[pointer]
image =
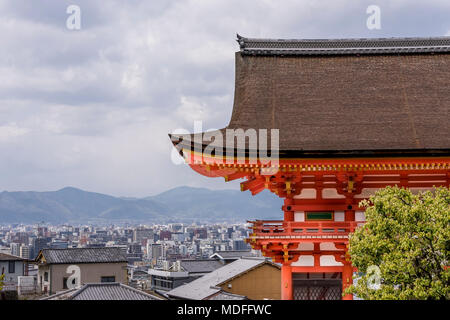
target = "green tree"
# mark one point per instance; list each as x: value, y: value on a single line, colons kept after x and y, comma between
x: 406, y: 241
x: 2, y: 277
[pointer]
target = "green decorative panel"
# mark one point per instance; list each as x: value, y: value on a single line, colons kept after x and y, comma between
x: 319, y: 216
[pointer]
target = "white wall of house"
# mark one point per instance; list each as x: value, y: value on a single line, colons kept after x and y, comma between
x: 44, y: 285
x: 89, y: 273
x: 11, y: 277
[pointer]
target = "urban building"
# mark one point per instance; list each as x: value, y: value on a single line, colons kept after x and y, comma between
x: 155, y: 251
x: 181, y: 272
x: 24, y: 251
x: 134, y: 253
x: 81, y: 265
x: 15, y: 249
x: 140, y: 234
x: 165, y: 235
x: 40, y: 243
x: 12, y: 267
x: 240, y: 245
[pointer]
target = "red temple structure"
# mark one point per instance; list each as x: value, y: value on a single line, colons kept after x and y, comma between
x: 354, y: 115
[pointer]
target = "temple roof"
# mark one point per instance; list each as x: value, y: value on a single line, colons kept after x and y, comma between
x: 254, y: 46
x: 347, y: 103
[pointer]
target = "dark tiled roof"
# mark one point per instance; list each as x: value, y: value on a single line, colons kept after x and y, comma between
x: 84, y: 255
x: 103, y: 291
x: 62, y: 295
x: 110, y: 291
x: 342, y: 106
x: 233, y: 254
x: 140, y: 272
x: 223, y: 295
x: 9, y: 257
x: 200, y: 266
x: 342, y: 46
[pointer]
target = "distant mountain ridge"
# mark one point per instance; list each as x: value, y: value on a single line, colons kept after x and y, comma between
x: 182, y: 204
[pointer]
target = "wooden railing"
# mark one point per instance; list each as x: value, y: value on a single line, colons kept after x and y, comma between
x: 277, y: 228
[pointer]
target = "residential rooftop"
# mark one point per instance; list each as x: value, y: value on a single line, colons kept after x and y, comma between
x: 200, y: 266
x: 10, y: 257
x: 83, y: 255
x: 103, y: 291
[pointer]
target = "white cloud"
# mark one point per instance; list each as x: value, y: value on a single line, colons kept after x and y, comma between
x: 92, y: 108
x: 11, y: 131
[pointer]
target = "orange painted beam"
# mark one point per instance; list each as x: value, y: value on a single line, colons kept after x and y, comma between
x: 299, y: 240
x: 257, y: 190
x: 292, y: 251
x: 252, y: 183
x: 234, y: 176
x: 347, y: 164
x: 320, y: 207
x: 316, y: 269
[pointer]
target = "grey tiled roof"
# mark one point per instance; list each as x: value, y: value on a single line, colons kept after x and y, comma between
x: 223, y: 295
x: 103, y: 291
x: 342, y: 46
x: 110, y: 291
x: 233, y: 254
x: 84, y: 255
x: 63, y: 295
x: 9, y: 257
x: 200, y: 266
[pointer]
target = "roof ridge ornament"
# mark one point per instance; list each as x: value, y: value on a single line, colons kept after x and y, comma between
x: 241, y: 41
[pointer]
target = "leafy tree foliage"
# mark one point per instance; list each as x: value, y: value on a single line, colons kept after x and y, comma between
x: 404, y: 244
x: 2, y: 277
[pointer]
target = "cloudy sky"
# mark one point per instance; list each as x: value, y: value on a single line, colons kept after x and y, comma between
x: 91, y: 108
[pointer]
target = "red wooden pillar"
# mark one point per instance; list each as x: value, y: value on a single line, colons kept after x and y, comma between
x: 288, y: 213
x: 347, y: 280
x: 349, y: 215
x: 350, y: 212
x: 347, y: 272
x: 287, y: 291
x: 316, y: 254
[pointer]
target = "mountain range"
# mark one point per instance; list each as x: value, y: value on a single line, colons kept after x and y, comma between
x: 182, y: 204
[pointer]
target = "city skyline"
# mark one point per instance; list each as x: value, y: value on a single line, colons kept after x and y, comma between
x: 144, y: 251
